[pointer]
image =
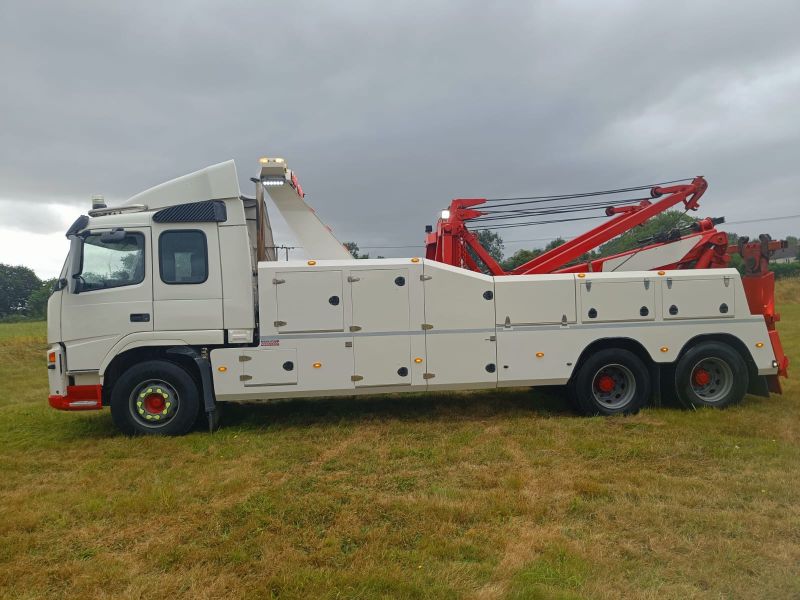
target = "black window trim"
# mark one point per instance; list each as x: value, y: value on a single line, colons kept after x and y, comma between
x: 89, y: 234
x: 161, y: 261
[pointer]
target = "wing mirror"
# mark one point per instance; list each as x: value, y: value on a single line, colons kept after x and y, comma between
x: 75, y: 251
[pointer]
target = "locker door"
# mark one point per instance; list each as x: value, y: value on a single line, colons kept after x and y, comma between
x: 309, y: 301
x: 460, y: 340
x: 381, y: 323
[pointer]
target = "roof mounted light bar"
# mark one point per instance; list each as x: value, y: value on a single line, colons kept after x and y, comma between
x: 116, y: 210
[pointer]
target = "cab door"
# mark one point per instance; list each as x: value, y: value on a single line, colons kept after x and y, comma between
x: 187, y: 279
x: 113, y: 296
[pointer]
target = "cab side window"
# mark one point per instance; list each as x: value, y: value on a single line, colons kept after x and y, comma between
x: 111, y: 263
x: 183, y: 256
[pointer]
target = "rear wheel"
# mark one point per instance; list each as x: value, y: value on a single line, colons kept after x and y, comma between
x: 610, y: 382
x: 711, y: 374
x: 155, y: 398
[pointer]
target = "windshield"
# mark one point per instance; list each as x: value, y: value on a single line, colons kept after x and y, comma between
x: 110, y: 264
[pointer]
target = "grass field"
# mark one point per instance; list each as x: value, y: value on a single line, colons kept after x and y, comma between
x: 481, y: 495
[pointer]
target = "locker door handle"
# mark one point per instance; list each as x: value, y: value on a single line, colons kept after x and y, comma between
x: 140, y: 317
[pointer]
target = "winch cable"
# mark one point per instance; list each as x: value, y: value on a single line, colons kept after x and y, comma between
x: 545, y: 222
x: 503, y: 212
x: 501, y: 215
x: 587, y: 194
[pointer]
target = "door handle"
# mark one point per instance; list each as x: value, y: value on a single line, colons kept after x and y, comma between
x: 140, y: 317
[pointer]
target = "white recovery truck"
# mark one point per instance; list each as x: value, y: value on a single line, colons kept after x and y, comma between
x: 173, y: 302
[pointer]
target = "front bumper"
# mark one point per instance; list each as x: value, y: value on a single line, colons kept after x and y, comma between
x: 79, y: 397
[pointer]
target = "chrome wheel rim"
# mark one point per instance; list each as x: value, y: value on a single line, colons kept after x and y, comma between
x: 614, y: 386
x: 711, y: 379
x: 154, y: 403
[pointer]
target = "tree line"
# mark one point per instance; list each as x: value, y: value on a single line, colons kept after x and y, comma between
x: 22, y: 294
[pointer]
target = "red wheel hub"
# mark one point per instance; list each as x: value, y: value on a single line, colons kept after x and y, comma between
x: 606, y: 383
x: 701, y: 377
x: 154, y: 403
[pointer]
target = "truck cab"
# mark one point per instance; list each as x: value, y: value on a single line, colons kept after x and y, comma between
x: 172, y: 266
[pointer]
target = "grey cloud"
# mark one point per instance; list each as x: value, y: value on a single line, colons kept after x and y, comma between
x: 388, y: 110
x: 34, y: 216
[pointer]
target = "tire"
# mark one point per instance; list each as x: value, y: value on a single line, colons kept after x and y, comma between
x: 155, y: 397
x: 711, y: 374
x: 611, y: 382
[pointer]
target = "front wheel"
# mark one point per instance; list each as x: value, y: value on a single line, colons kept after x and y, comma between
x: 155, y: 398
x: 611, y: 382
x: 711, y: 374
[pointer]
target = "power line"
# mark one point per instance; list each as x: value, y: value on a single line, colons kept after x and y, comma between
x: 764, y: 219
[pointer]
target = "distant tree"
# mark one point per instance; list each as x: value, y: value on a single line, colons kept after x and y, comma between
x: 492, y: 242
x: 554, y: 243
x: 791, y: 242
x: 352, y: 247
x: 37, y: 301
x: 520, y: 257
x: 16, y: 286
x: 662, y: 223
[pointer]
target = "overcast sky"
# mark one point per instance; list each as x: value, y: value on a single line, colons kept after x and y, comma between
x: 386, y: 111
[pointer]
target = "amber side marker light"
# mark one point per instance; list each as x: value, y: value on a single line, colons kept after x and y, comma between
x: 539, y: 354
x: 415, y: 260
x: 311, y: 263
x: 759, y: 344
x: 418, y: 360
x: 51, y: 357
x: 317, y: 365
x: 222, y: 369
x: 664, y: 349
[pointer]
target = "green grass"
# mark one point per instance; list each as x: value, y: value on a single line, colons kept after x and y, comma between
x: 484, y: 495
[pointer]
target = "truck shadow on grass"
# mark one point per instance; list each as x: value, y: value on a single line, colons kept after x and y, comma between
x: 302, y: 412
x: 543, y: 402
x: 465, y: 406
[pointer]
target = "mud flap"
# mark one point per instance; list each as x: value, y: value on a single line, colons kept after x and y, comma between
x: 759, y: 386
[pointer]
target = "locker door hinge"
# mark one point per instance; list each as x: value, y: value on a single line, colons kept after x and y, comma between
x: 348, y: 344
x: 588, y: 286
x: 356, y: 378
x: 491, y: 338
x: 245, y: 377
x: 245, y: 358
x: 426, y: 326
x: 428, y: 375
x: 279, y: 323
x: 425, y: 277
x: 352, y: 279
x: 647, y: 284
x: 355, y: 328
x: 278, y: 281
